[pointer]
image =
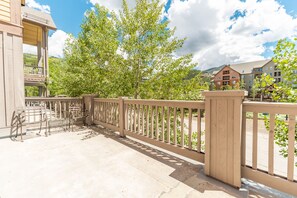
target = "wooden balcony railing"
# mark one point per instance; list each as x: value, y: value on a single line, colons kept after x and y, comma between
x: 57, y: 107
x: 225, y: 133
x: 34, y: 74
x: 261, y: 158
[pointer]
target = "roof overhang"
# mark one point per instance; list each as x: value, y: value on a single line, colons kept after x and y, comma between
x: 38, y: 18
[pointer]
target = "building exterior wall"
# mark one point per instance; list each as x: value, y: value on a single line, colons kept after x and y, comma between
x: 11, y: 64
x: 226, y: 76
x: 271, y: 69
x: 248, y: 80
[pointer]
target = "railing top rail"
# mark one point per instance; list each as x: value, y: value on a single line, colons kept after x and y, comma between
x: 170, y: 103
x: 270, y: 107
x: 114, y: 100
x: 50, y: 99
x: 34, y: 66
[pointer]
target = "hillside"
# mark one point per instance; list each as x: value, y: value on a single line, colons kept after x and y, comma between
x: 211, y: 70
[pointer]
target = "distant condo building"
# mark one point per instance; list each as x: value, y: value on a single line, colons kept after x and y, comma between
x: 246, y: 72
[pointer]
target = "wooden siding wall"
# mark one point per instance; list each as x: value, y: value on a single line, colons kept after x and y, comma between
x: 11, y: 76
x: 5, y: 8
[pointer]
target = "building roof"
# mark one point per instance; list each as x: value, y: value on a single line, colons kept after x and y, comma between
x: 38, y: 17
x: 247, y: 68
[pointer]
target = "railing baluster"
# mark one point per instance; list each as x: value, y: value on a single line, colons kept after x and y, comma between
x: 134, y: 118
x: 291, y: 147
x: 60, y: 109
x: 152, y: 122
x: 130, y: 120
x: 142, y: 119
x: 168, y: 125
x: 271, y: 145
x: 190, y: 128
x: 243, y: 140
x: 255, y: 140
x: 157, y: 122
x: 126, y: 117
x: 147, y: 121
x: 199, y: 130
x: 162, y: 121
x: 182, y: 128
x: 174, y: 126
x: 138, y: 118
x: 56, y: 110
x: 50, y: 106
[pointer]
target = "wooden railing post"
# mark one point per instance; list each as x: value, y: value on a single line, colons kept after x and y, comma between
x: 223, y: 122
x: 122, y: 116
x: 88, y: 105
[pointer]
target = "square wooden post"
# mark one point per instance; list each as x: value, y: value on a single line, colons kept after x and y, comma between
x: 122, y: 116
x: 88, y: 104
x: 223, y: 122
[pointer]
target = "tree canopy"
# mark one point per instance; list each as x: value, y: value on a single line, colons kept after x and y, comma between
x: 133, y: 53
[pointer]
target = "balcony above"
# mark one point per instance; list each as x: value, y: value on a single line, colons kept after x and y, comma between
x: 34, y: 75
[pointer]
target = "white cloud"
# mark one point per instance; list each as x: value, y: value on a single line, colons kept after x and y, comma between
x: 207, y: 24
x: 56, y: 44
x: 38, y: 6
x: 116, y: 5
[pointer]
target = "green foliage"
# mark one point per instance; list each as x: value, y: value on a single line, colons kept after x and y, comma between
x: 262, y: 85
x: 31, y: 91
x: 57, y: 68
x: 130, y: 54
x: 286, y: 60
x: 285, y: 56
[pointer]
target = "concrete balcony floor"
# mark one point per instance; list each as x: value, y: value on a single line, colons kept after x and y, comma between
x: 95, y: 162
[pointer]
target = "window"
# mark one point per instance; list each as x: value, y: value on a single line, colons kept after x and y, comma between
x: 226, y: 77
x: 233, y: 76
x: 277, y: 80
x: 226, y: 72
x: 226, y: 83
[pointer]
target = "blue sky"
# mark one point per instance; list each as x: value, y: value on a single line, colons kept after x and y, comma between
x: 218, y: 32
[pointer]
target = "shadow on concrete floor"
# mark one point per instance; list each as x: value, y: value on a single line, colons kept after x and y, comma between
x: 186, y: 172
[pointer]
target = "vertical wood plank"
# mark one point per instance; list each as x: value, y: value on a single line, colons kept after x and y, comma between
x: 174, y: 126
x: 142, y: 119
x: 271, y: 145
x: 168, y: 125
x: 126, y: 117
x: 230, y: 141
x: 236, y: 141
x: 182, y: 128
x: 207, y: 136
x: 243, y: 140
x: 134, y: 118
x: 152, y: 122
x: 199, y: 130
x: 190, y: 129
x: 60, y: 108
x: 213, y: 139
x: 255, y: 140
x: 157, y: 122
x: 222, y: 124
x: 147, y: 121
x: 291, y: 147
x: 162, y: 120
x: 138, y: 122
